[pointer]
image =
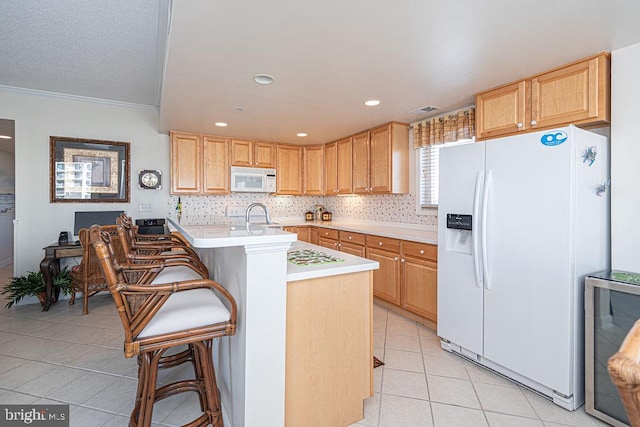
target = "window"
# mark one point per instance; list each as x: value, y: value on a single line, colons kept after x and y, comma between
x: 430, y: 170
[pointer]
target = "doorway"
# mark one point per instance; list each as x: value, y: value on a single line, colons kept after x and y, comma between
x: 7, y: 198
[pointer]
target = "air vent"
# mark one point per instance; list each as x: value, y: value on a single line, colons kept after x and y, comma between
x: 426, y: 109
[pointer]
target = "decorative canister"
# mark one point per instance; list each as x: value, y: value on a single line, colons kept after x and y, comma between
x: 308, y: 216
x: 326, y: 216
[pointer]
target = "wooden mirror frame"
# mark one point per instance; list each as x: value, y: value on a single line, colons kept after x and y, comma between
x: 88, y: 171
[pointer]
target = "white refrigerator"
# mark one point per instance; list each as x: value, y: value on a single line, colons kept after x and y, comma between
x: 521, y: 221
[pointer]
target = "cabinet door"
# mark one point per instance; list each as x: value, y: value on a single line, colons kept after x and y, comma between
x: 573, y: 94
x: 380, y: 160
x: 216, y: 165
x: 344, y: 167
x: 241, y: 152
x: 386, y: 280
x: 361, y: 163
x: 328, y: 243
x: 313, y: 170
x: 186, y: 164
x: 501, y: 111
x: 303, y: 234
x: 352, y: 249
x: 313, y: 235
x: 330, y: 169
x: 420, y: 287
x: 289, y: 169
x: 264, y: 154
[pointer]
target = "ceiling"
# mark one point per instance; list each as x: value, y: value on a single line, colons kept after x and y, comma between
x: 327, y: 57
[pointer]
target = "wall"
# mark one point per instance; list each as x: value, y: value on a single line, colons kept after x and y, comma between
x: 39, y: 115
x: 625, y: 154
x: 392, y: 208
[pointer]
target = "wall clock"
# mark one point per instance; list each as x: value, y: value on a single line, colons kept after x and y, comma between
x: 149, y: 179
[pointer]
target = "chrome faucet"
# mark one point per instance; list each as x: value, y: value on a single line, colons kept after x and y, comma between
x: 264, y: 208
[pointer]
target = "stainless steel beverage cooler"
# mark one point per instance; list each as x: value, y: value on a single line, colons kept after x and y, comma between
x: 612, y: 305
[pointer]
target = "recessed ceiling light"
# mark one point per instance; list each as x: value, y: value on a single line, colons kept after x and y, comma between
x: 372, y: 103
x: 221, y: 124
x: 301, y: 134
x: 263, y: 79
x: 5, y: 137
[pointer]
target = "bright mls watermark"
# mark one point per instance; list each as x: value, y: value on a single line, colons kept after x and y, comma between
x: 34, y: 415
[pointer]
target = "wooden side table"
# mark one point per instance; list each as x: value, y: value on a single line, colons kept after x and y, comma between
x: 50, y: 265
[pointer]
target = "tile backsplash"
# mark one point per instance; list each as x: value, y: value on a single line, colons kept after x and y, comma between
x: 399, y: 208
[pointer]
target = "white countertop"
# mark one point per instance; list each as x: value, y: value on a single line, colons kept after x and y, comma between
x: 409, y: 232
x: 202, y: 232
x: 351, y: 264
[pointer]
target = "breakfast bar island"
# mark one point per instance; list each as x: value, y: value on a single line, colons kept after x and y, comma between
x: 303, y: 349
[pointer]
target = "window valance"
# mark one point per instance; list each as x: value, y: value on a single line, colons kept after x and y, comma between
x: 446, y: 128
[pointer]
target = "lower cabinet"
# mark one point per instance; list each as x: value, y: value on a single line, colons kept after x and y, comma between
x: 302, y: 232
x: 386, y: 280
x: 419, y: 279
x: 408, y: 273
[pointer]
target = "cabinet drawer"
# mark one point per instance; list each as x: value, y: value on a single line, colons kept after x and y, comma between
x: 356, y: 238
x: 383, y: 243
x: 420, y: 250
x: 328, y: 233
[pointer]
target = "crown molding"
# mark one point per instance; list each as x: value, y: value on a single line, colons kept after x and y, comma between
x: 80, y: 98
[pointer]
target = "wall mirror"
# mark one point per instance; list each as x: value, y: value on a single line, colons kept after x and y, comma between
x: 88, y: 170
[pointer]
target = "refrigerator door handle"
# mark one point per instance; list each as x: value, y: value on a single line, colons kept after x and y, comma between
x: 475, y: 227
x: 483, y: 231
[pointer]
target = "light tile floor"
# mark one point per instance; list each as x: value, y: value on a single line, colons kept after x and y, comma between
x: 61, y: 356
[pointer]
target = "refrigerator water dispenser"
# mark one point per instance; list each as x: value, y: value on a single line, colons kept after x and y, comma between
x: 458, y: 234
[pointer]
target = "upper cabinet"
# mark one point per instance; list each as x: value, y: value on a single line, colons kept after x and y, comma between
x: 255, y: 154
x: 199, y: 164
x: 577, y: 93
x: 313, y: 170
x: 338, y: 167
x: 381, y: 160
x: 289, y: 169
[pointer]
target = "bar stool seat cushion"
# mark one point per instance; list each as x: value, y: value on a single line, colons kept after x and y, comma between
x: 178, y: 273
x: 187, y: 310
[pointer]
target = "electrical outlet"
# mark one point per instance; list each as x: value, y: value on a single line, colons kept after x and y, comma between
x: 144, y: 208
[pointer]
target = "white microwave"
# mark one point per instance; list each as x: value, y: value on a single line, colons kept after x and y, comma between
x: 253, y: 180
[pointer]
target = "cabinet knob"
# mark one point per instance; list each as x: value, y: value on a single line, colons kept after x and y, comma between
x: 519, y: 125
x: 402, y: 260
x: 380, y: 243
x: 395, y: 258
x: 349, y: 237
x: 421, y: 251
x: 533, y: 123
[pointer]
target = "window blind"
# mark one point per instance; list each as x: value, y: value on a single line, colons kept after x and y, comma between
x: 430, y: 171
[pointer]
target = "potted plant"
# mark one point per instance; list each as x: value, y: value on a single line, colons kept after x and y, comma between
x: 33, y: 284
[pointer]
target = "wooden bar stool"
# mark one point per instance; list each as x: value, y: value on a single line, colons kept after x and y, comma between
x: 160, y: 309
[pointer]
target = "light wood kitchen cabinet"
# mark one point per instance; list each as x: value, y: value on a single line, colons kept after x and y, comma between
x: 289, y: 169
x: 313, y: 170
x: 301, y: 231
x: 360, y: 163
x: 328, y: 238
x: 577, y: 93
x: 199, y: 164
x: 344, y: 166
x: 386, y: 280
x: 313, y: 235
x: 381, y: 160
x: 331, y: 168
x: 250, y: 153
x: 353, y: 243
x: 419, y: 279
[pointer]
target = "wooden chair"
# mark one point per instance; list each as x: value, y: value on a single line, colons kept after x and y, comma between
x: 624, y: 370
x: 87, y: 277
x: 159, y: 315
x: 156, y: 247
